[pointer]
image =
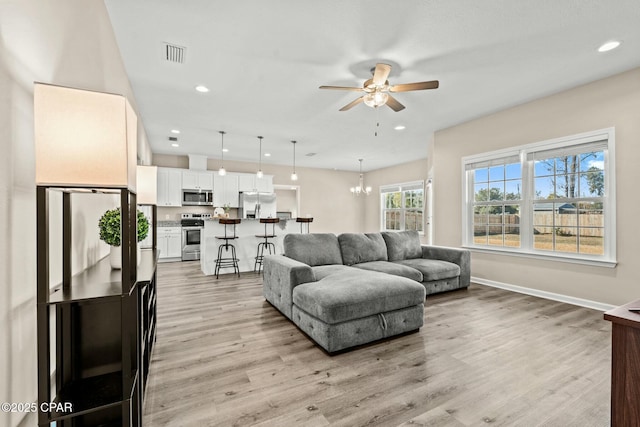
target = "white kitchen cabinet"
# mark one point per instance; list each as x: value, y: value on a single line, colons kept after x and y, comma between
x: 170, y: 242
x: 264, y: 184
x: 169, y: 187
x: 250, y: 183
x: 246, y: 182
x: 225, y: 190
x: 195, y: 180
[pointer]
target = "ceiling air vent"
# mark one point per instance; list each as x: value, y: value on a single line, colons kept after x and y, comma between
x: 173, y: 138
x: 310, y: 154
x: 174, y: 53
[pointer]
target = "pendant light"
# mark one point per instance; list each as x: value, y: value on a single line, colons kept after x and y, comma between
x: 294, y: 175
x: 259, y: 174
x: 222, y: 171
x: 360, y: 188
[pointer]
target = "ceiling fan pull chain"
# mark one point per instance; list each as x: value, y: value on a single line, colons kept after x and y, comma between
x: 375, y: 133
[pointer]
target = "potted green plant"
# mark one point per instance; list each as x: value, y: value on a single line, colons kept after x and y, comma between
x: 109, y: 226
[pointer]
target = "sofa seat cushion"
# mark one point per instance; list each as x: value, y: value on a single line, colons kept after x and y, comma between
x: 357, y: 248
x: 343, y: 297
x: 391, y: 268
x: 402, y: 245
x: 313, y: 249
x: 322, y: 271
x: 432, y: 269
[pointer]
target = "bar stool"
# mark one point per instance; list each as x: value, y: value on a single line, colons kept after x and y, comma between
x: 227, y: 262
x: 266, y: 244
x: 303, y: 222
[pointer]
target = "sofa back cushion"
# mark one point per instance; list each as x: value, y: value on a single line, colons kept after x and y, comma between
x: 357, y: 248
x: 402, y: 245
x: 313, y: 249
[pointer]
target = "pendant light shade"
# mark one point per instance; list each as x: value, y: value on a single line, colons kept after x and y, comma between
x: 259, y: 174
x: 294, y: 175
x: 222, y: 171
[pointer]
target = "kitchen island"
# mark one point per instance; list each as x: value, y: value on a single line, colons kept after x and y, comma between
x: 246, y: 244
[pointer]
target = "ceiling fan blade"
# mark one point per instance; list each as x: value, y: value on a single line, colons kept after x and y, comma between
x: 358, y: 89
x: 394, y: 104
x: 381, y: 73
x: 352, y: 104
x: 414, y: 86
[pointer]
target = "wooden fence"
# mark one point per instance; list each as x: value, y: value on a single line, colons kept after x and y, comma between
x: 591, y: 224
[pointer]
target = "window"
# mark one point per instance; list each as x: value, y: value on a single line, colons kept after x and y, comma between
x: 403, y: 206
x: 553, y: 198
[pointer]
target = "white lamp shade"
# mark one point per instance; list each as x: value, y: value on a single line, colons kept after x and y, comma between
x: 147, y: 185
x: 84, y: 138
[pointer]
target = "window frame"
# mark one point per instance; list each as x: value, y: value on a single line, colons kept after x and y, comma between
x: 402, y: 188
x: 525, y: 155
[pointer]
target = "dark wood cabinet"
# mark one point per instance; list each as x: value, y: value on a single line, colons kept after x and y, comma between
x: 625, y: 365
x: 96, y: 329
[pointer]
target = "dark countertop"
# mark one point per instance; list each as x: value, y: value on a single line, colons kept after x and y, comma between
x: 247, y: 219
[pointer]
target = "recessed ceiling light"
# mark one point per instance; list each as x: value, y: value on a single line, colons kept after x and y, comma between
x: 400, y: 127
x: 225, y: 150
x: 176, y: 131
x: 267, y: 154
x: 202, y: 88
x: 610, y: 45
x: 175, y: 145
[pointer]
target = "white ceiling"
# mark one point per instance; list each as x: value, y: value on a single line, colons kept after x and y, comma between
x: 264, y: 60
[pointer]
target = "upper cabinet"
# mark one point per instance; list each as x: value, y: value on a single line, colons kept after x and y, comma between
x: 169, y: 187
x: 248, y: 182
x: 225, y: 190
x: 264, y: 184
x: 197, y: 180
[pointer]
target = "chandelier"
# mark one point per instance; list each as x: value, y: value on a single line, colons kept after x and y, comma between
x: 360, y: 188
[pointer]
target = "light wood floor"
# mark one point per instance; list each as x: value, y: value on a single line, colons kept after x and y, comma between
x: 225, y: 357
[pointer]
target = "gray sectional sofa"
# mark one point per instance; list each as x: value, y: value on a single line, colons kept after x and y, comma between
x: 355, y: 288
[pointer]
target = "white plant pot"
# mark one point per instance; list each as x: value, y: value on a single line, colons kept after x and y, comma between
x: 115, y: 257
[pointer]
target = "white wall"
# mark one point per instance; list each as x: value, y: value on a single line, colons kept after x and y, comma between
x: 65, y: 42
x: 611, y: 102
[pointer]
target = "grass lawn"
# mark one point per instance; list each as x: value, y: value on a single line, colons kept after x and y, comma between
x: 588, y: 244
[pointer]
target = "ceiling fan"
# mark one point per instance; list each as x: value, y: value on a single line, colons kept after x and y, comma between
x: 377, y: 89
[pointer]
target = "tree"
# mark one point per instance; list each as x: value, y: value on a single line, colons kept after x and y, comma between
x: 595, y: 179
x: 485, y: 195
x: 566, y: 171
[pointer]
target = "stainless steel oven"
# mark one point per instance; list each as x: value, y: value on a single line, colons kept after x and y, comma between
x: 192, y: 226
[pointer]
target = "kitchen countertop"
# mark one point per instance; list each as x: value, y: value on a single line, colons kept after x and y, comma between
x: 169, y: 224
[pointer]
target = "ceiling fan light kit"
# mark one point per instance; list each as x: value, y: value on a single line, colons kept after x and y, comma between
x: 376, y: 99
x: 377, y: 90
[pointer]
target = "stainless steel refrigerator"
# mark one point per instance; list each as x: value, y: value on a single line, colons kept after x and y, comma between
x: 257, y: 205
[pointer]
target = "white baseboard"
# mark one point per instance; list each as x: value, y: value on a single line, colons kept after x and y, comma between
x: 544, y: 294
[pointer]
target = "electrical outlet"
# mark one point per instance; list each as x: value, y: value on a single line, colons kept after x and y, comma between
x: 166, y: 216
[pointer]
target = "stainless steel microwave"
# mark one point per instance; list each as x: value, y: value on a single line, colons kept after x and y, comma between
x: 197, y: 198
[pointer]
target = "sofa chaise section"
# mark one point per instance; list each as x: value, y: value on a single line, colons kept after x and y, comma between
x: 357, y: 307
